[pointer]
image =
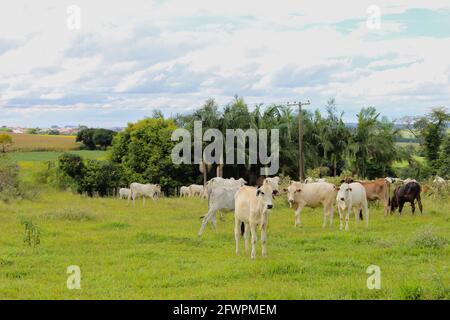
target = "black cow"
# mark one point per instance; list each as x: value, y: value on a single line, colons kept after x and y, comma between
x: 406, y: 193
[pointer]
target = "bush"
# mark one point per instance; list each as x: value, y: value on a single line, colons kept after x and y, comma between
x: 71, y: 164
x: 102, y: 177
x: 427, y: 239
x: 10, y: 185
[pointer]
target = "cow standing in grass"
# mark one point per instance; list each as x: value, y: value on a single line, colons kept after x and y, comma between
x: 252, y: 207
x: 144, y: 190
x: 312, y: 195
x: 352, y: 196
x: 124, y: 193
x: 406, y: 193
x: 184, y: 191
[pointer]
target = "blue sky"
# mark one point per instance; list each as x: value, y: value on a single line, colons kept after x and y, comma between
x: 125, y: 61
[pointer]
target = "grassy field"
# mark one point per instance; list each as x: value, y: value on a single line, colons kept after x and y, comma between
x: 39, y: 156
x: 36, y: 142
x: 153, y: 252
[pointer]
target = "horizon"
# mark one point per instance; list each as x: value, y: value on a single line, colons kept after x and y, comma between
x: 104, y: 65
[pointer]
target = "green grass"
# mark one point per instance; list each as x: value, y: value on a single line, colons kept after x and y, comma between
x: 153, y: 252
x: 53, y: 155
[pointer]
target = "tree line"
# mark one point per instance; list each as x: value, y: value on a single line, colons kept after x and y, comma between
x: 142, y: 152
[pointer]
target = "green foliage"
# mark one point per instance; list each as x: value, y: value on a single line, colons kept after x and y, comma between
x: 71, y: 164
x: 444, y: 159
x: 426, y: 238
x: 93, y: 138
x: 144, y: 150
x: 5, y: 142
x: 102, y: 177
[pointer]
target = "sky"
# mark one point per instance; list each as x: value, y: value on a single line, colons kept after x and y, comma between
x: 105, y: 63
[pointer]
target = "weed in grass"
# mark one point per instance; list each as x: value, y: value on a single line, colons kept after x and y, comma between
x: 32, y: 235
x: 69, y: 214
x: 411, y: 292
x: 426, y: 238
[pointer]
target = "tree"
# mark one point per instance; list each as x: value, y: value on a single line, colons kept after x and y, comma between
x: 93, y: 138
x: 72, y: 165
x: 5, y: 141
x: 144, y: 150
x: 431, y: 132
x: 444, y: 159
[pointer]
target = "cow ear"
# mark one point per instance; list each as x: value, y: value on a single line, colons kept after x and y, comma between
x: 342, y: 181
x: 298, y: 190
x: 275, y: 192
x: 350, y: 189
x: 258, y: 192
x: 338, y: 188
x: 285, y: 190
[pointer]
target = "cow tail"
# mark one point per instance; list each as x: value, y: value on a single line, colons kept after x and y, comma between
x: 360, y: 214
x: 242, y: 228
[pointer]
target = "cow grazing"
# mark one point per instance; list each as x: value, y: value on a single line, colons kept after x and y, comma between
x: 252, y: 206
x: 184, y: 192
x: 378, y: 190
x: 406, y: 193
x: 219, y: 198
x: 144, y: 190
x: 352, y: 197
x: 312, y: 195
x: 124, y: 193
x: 196, y: 190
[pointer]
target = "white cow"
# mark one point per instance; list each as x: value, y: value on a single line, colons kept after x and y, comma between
x: 184, y: 191
x: 221, y: 182
x: 196, y: 190
x: 252, y: 206
x: 124, y: 193
x: 312, y: 195
x: 144, y: 190
x: 439, y: 181
x: 274, y: 183
x: 352, y: 196
x: 312, y: 180
x: 219, y: 199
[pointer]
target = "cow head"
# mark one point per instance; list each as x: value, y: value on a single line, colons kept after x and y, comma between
x: 264, y: 195
x: 273, y: 182
x: 293, y: 189
x: 343, y: 193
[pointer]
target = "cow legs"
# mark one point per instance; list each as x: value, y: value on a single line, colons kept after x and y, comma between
x: 237, y: 233
x: 297, y: 214
x: 366, y: 213
x: 210, y: 215
x: 347, y: 217
x: 264, y: 239
x: 254, y: 239
x: 246, y: 236
x: 419, y: 201
x: 341, y: 224
x: 325, y: 213
x: 331, y: 213
x: 413, y: 206
x: 400, y: 207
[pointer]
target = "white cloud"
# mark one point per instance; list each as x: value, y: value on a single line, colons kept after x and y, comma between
x: 175, y: 54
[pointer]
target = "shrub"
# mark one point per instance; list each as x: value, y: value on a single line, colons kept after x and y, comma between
x: 32, y: 235
x: 411, y: 292
x: 426, y: 238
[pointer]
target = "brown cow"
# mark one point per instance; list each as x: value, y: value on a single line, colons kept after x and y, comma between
x: 378, y: 190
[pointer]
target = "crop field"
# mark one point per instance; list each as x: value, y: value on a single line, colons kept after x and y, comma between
x: 36, y: 142
x: 39, y: 156
x: 153, y: 252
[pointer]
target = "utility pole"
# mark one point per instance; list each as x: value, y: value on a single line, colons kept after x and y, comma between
x: 301, y: 154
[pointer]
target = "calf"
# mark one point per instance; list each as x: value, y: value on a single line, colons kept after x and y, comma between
x: 312, y: 195
x: 406, y: 193
x: 196, y: 190
x: 184, y: 191
x: 252, y: 206
x: 352, y: 196
x: 124, y: 193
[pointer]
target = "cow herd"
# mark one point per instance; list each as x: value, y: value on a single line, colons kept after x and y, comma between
x: 251, y: 205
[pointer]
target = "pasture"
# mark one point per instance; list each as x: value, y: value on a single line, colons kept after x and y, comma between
x: 37, y: 142
x: 153, y: 252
